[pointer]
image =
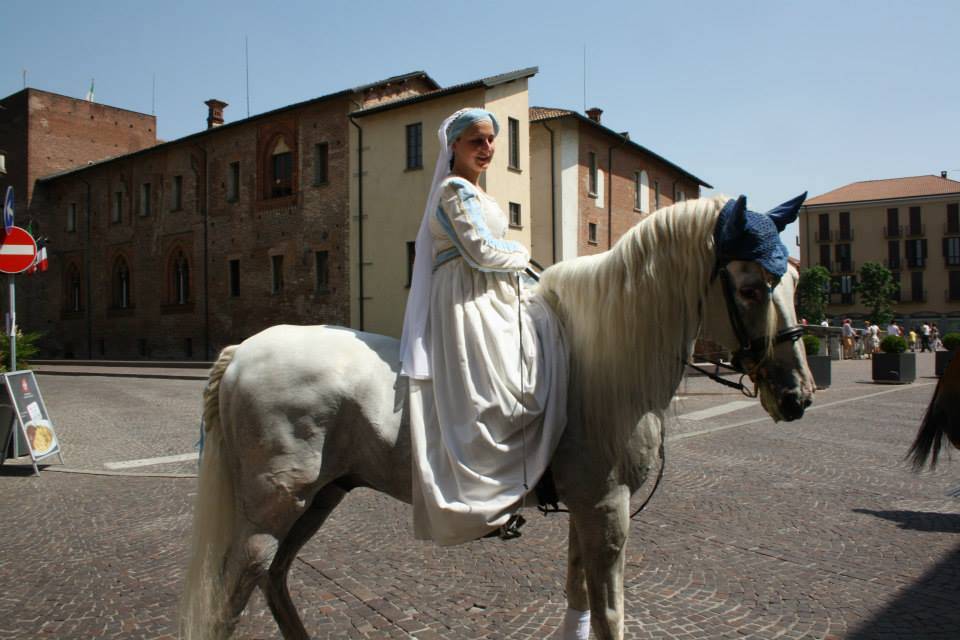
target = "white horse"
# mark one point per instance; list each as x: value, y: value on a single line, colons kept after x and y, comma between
x: 296, y: 417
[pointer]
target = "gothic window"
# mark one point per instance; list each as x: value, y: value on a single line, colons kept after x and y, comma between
x: 178, y: 276
x: 121, y: 284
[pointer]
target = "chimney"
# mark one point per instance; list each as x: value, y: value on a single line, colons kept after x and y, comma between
x: 594, y: 114
x: 943, y: 174
x: 215, y: 113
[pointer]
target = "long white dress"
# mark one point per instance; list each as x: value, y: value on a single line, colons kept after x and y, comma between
x: 500, y: 368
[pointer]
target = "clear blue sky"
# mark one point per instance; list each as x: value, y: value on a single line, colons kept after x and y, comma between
x: 763, y: 98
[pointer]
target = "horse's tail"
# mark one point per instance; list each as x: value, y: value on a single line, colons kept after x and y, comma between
x: 942, y: 419
x: 203, y: 603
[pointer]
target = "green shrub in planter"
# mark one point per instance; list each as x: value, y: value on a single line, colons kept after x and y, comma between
x: 811, y: 344
x: 951, y: 341
x: 893, y: 344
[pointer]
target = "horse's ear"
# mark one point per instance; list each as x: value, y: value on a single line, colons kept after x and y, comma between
x: 737, y: 220
x: 787, y: 212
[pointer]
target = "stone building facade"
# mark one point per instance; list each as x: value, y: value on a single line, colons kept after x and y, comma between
x: 910, y: 225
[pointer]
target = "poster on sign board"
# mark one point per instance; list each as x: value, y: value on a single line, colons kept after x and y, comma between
x: 30, y: 418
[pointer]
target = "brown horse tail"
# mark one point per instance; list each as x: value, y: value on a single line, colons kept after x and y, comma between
x: 203, y: 603
x: 942, y: 419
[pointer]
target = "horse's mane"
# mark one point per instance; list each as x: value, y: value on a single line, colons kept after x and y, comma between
x: 631, y: 316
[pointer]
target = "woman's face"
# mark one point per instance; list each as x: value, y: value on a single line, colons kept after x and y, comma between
x: 473, y: 150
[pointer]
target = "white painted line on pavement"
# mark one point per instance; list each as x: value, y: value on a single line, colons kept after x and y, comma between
x: 701, y: 432
x: 146, y: 462
x: 718, y: 410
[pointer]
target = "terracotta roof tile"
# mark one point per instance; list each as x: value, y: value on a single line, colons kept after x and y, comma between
x: 916, y: 186
x: 545, y: 113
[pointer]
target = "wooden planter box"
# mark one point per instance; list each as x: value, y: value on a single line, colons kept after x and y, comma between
x: 942, y: 361
x: 820, y: 368
x: 894, y: 368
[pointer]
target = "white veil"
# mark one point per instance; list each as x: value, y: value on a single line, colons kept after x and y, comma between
x: 414, y: 357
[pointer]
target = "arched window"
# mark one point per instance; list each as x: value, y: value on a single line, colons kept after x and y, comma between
x: 120, y: 279
x: 73, y: 298
x: 281, y: 169
x: 179, y: 278
x: 643, y: 195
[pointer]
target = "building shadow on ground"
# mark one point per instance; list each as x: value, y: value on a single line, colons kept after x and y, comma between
x: 927, y: 609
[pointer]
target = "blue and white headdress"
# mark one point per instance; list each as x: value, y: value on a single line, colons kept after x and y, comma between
x: 741, y: 234
x: 414, y: 357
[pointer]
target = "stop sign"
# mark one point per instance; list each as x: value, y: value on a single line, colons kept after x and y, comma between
x: 17, y: 251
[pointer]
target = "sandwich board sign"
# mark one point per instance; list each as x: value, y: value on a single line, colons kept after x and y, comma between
x: 28, y: 428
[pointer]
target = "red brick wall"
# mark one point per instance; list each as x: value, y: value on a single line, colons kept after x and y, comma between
x: 626, y: 161
x: 250, y: 230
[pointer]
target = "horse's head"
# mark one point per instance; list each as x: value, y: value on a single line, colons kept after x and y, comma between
x: 751, y: 310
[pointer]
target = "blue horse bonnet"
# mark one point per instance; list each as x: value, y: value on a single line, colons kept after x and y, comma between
x: 466, y: 119
x: 741, y: 234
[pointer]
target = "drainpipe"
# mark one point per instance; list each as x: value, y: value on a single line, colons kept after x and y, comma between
x: 86, y: 274
x: 553, y: 199
x: 359, y: 221
x: 610, y: 149
x: 203, y: 201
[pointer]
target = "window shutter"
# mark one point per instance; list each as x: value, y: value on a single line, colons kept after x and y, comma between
x: 923, y: 248
x: 946, y: 252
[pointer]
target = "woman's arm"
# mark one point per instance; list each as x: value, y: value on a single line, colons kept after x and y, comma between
x: 460, y: 214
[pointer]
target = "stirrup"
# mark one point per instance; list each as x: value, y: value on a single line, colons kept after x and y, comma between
x: 508, y: 530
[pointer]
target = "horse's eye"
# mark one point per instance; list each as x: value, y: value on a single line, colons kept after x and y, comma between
x: 750, y: 293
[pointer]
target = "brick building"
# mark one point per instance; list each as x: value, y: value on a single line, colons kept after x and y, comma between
x: 174, y: 250
x: 910, y: 225
x: 590, y: 184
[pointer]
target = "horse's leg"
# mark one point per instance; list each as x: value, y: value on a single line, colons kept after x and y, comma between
x: 602, y: 533
x: 576, y: 621
x: 274, y: 585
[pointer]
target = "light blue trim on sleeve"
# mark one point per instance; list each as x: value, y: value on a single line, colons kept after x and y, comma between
x: 471, y: 201
x: 455, y: 239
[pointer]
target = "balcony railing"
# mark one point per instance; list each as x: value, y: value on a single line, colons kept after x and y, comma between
x: 844, y: 235
x: 914, y: 232
x: 951, y: 229
x: 819, y: 236
x: 893, y: 232
x: 918, y: 296
x: 916, y: 262
x: 951, y: 261
x: 845, y: 266
x: 892, y: 263
x: 827, y: 265
x: 951, y: 296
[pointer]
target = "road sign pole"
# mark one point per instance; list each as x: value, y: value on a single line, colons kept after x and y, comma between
x: 13, y: 323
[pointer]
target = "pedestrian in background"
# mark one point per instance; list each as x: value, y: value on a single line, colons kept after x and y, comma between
x: 935, y: 337
x: 847, y: 334
x: 912, y: 339
x: 925, y: 337
x: 873, y: 337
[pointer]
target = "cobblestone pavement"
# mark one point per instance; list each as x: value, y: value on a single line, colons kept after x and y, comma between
x: 811, y: 529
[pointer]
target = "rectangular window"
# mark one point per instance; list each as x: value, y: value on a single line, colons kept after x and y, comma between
x: 233, y: 182
x: 951, y: 252
x: 893, y: 254
x: 844, y: 263
x: 515, y: 218
x: 411, y: 256
x: 592, y: 232
x: 282, y: 175
x: 953, y: 218
x: 954, y: 292
x: 637, y: 190
x: 72, y: 216
x: 916, y: 224
x: 845, y: 232
x: 823, y: 227
x: 592, y: 173
x: 322, y: 264
x: 916, y: 252
x: 847, y: 284
x: 176, y: 202
x: 513, y: 135
x: 320, y: 163
x: 917, y: 293
x: 825, y: 256
x: 656, y: 194
x: 415, y: 146
x: 276, y: 273
x: 116, y: 213
x: 893, y: 223
x: 145, y: 199
x: 234, y: 278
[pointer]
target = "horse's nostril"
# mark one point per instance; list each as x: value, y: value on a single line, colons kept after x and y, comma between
x: 808, y: 401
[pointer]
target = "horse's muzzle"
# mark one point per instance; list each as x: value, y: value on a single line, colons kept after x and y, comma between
x: 792, y: 405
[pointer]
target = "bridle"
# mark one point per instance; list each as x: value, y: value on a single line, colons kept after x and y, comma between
x: 752, y: 351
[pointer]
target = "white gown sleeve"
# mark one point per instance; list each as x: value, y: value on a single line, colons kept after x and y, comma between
x: 460, y: 213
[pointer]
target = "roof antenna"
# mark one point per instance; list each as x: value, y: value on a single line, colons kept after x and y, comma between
x: 584, y: 77
x: 153, y: 100
x: 246, y: 55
